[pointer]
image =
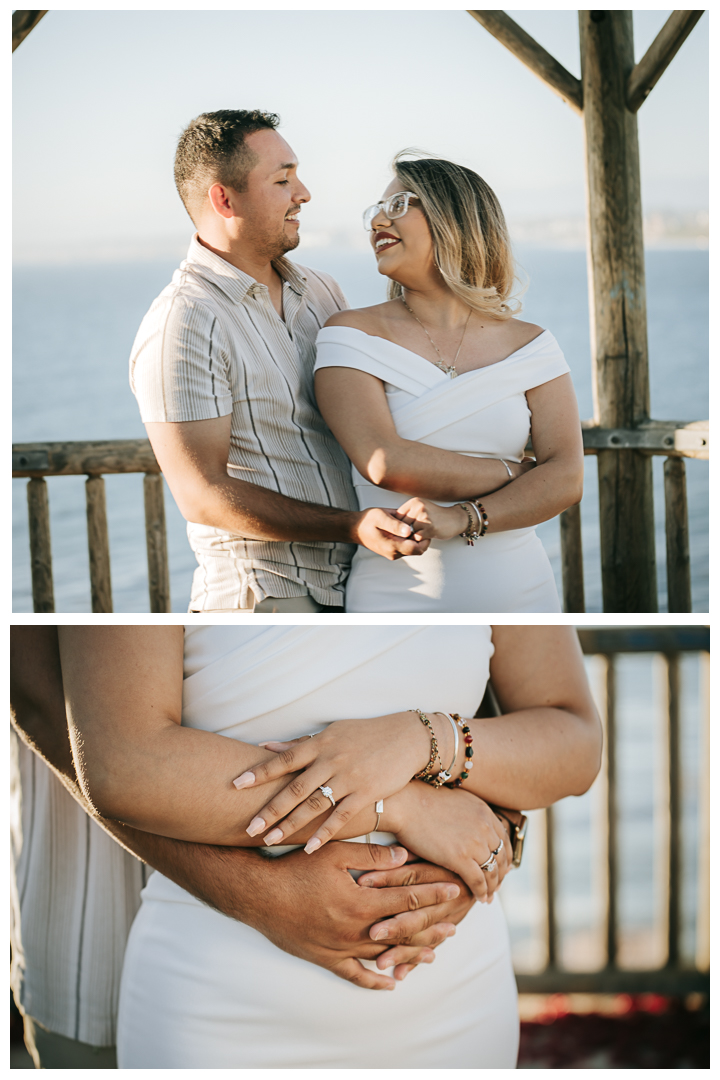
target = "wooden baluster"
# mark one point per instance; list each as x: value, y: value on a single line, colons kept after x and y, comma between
x: 675, y: 809
x: 550, y: 890
x: 677, y: 538
x: 40, y: 550
x: 611, y: 931
x: 98, y: 545
x: 156, y: 537
x: 702, y: 940
x: 572, y: 559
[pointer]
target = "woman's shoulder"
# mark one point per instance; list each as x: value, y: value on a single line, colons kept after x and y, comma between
x: 522, y: 333
x: 368, y: 319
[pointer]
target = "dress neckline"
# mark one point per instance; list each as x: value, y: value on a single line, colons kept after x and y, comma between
x: 429, y: 363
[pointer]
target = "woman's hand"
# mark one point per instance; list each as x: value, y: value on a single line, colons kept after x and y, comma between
x: 360, y: 761
x: 454, y: 829
x: 433, y: 522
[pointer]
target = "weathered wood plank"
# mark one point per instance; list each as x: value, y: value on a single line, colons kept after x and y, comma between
x: 677, y: 536
x: 98, y: 545
x: 615, y: 981
x: 156, y: 539
x: 22, y: 23
x: 539, y: 60
x: 643, y: 639
x: 616, y: 271
x: 40, y: 549
x: 647, y: 71
x: 78, y: 458
x: 676, y: 438
x: 572, y: 560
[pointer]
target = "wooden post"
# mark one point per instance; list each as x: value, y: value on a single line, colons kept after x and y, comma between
x: 616, y: 271
x: 98, y: 544
x: 40, y: 551
x: 674, y: 762
x: 155, y: 535
x: 572, y: 559
x: 677, y: 538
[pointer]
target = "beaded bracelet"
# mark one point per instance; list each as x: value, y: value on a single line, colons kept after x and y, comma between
x: 471, y: 534
x: 426, y: 773
x: 483, y: 516
x: 468, y: 764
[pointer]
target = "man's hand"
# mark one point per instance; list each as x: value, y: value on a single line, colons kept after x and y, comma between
x: 413, y: 925
x: 382, y: 531
x: 311, y: 907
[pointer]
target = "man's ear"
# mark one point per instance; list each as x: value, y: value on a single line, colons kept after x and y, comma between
x: 219, y: 197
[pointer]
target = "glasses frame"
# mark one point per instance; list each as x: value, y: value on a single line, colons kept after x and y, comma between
x: 372, y: 212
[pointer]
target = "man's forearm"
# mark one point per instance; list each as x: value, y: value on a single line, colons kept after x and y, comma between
x: 256, y: 513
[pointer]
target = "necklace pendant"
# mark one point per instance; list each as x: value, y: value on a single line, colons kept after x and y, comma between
x: 447, y: 369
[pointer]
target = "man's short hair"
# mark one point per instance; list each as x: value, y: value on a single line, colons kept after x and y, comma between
x: 212, y: 150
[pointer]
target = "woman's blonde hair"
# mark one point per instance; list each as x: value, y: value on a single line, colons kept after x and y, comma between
x: 467, y: 225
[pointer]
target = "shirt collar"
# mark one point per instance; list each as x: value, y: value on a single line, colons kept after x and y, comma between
x: 233, y: 282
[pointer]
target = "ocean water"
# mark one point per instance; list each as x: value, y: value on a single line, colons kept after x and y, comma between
x: 74, y: 327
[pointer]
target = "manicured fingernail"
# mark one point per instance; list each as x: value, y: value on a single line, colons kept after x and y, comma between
x: 380, y: 934
x: 273, y: 837
x: 396, y: 853
x: 312, y: 845
x: 453, y: 891
x: 256, y: 826
x: 245, y: 780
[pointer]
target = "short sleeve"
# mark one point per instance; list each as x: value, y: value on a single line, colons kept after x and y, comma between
x: 179, y: 366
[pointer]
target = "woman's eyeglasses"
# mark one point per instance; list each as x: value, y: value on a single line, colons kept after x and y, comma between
x: 394, y: 207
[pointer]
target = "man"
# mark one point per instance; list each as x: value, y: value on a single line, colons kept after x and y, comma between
x: 222, y: 370
x: 75, y: 891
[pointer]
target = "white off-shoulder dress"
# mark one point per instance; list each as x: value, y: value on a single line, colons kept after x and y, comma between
x: 202, y: 991
x: 482, y: 413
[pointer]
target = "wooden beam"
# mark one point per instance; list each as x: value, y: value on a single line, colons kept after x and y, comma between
x: 647, y: 72
x: 78, y: 458
x: 23, y: 23
x: 616, y: 279
x: 539, y: 60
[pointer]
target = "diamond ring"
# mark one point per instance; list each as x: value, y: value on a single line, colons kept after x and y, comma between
x: 327, y: 792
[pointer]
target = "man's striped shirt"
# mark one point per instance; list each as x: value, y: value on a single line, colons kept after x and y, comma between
x: 212, y: 344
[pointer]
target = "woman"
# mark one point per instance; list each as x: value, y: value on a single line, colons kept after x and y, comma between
x: 149, y: 707
x: 386, y: 384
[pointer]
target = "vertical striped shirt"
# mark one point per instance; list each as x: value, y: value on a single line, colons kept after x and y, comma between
x: 212, y: 344
x: 74, y: 893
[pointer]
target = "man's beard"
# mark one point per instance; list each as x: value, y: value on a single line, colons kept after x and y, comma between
x: 277, y: 245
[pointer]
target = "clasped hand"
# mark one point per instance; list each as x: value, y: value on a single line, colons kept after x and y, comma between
x: 363, y: 761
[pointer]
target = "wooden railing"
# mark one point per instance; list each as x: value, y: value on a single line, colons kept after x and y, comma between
x: 93, y: 459
x: 673, y: 440
x: 673, y: 977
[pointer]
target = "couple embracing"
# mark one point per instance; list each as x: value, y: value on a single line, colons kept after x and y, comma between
x: 256, y: 385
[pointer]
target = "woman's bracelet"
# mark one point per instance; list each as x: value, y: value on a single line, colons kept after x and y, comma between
x: 484, y: 521
x: 426, y: 773
x: 471, y: 534
x: 468, y: 764
x: 445, y: 775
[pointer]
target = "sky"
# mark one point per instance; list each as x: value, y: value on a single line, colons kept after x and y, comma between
x: 100, y: 98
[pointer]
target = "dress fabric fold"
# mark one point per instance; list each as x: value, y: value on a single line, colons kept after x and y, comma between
x: 481, y: 413
x: 200, y: 990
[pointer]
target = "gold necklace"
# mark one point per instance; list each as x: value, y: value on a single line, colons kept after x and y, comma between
x: 447, y: 369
